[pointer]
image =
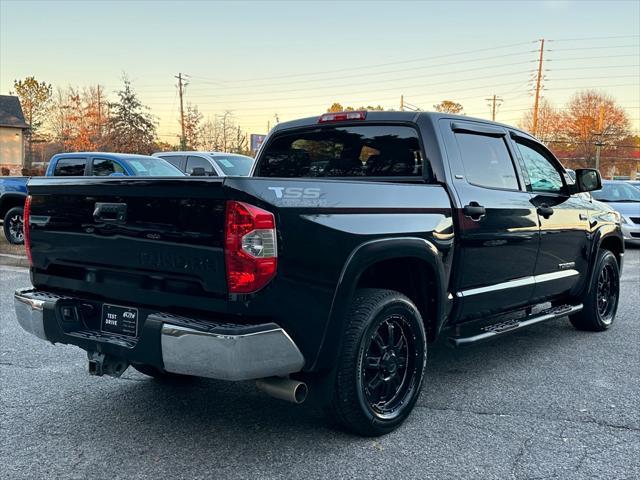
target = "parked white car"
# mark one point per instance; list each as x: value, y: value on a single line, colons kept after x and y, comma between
x: 218, y: 164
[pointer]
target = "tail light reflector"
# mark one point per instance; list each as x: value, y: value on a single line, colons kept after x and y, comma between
x: 250, y: 247
x: 27, y: 229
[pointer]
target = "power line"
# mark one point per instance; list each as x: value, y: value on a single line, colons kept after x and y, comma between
x: 369, y: 74
x: 447, y: 55
x: 396, y: 79
x: 593, y: 38
x: 593, y: 48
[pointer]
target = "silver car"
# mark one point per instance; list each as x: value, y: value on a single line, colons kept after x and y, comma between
x: 216, y: 164
x: 624, y: 199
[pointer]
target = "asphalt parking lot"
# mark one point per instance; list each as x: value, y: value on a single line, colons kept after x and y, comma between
x: 549, y: 402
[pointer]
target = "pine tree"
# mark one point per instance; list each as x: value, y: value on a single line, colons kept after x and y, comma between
x: 131, y: 128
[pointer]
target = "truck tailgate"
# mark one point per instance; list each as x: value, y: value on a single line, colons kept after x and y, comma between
x: 155, y: 241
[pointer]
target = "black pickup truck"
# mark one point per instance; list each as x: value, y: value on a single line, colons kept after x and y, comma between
x: 359, y: 238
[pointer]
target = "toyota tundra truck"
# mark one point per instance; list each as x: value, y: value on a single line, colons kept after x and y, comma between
x: 359, y: 239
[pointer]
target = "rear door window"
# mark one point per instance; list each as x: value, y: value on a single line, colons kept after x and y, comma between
x: 199, y: 162
x: 354, y: 151
x: 70, y: 167
x: 104, y: 167
x: 486, y: 161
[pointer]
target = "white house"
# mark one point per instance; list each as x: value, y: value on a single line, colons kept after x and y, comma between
x: 12, y: 131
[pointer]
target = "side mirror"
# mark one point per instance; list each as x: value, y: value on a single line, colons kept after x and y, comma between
x: 198, y: 172
x: 588, y: 180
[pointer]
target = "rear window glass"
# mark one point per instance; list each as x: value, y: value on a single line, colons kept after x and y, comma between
x: 237, y: 165
x: 153, y: 167
x: 357, y: 151
x: 70, y: 167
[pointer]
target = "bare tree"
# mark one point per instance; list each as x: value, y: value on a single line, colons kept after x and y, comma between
x: 592, y: 117
x: 192, y: 127
x: 549, y: 122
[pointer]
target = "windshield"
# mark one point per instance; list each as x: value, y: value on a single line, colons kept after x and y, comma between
x: 234, y: 165
x: 617, y: 192
x: 153, y: 167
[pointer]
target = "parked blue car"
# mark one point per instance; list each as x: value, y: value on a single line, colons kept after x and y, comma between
x: 13, y: 190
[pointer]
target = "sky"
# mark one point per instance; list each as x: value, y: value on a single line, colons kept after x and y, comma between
x: 270, y: 61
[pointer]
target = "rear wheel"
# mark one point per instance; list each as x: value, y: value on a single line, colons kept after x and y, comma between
x: 381, y: 365
x: 14, y: 226
x: 601, y: 303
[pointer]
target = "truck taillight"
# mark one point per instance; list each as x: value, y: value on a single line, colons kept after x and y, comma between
x: 26, y: 229
x: 250, y: 247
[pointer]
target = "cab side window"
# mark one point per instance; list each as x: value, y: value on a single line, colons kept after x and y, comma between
x: 70, y: 167
x: 103, y: 167
x: 543, y: 174
x: 486, y: 161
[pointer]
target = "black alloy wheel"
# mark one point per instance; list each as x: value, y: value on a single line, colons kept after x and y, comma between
x: 607, y: 293
x: 600, y: 302
x: 388, y: 370
x: 381, y: 365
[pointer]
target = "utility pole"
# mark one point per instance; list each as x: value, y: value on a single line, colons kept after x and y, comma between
x: 599, y: 143
x: 495, y: 103
x: 183, y: 138
x: 536, y: 102
x: 99, y: 114
x: 402, y: 103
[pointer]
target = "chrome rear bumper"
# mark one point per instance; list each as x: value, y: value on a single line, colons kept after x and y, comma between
x: 30, y: 314
x: 265, y: 353
x: 184, y: 345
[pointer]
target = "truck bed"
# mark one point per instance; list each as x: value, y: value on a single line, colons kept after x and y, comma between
x: 167, y: 253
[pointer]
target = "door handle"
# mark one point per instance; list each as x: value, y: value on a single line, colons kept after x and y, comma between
x: 110, y: 212
x: 474, y: 211
x: 545, y: 210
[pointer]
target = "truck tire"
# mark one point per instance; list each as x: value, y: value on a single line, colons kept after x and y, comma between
x: 14, y: 226
x: 601, y: 302
x: 381, y: 364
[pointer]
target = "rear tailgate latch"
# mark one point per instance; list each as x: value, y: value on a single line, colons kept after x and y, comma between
x: 110, y: 212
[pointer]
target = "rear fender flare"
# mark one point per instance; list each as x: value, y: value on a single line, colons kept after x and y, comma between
x: 602, y: 233
x: 10, y: 200
x: 362, y: 257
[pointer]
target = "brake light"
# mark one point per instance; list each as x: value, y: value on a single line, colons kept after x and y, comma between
x: 342, y: 116
x: 250, y: 247
x: 26, y: 229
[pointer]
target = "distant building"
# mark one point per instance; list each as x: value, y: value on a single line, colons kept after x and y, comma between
x: 12, y: 131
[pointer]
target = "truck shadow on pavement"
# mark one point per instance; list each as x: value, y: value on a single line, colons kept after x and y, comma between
x: 210, y: 410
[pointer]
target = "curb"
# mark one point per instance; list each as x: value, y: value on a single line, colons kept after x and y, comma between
x: 12, y: 260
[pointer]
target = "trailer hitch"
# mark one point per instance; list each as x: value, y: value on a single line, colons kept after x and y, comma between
x: 101, y: 364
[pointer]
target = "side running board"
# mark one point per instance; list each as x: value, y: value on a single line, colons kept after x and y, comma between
x: 490, y: 331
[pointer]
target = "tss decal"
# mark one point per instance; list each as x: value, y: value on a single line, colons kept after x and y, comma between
x: 293, y: 193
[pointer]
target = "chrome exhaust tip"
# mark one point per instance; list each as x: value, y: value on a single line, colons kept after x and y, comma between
x: 286, y: 389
